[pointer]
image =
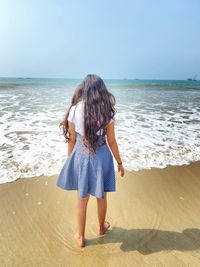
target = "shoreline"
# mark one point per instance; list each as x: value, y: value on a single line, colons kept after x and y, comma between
x: 126, y: 170
x: 154, y: 216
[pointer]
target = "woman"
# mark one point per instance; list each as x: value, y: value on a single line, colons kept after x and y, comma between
x: 88, y: 127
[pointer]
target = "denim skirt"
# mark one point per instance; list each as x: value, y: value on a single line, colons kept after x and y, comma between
x: 88, y: 173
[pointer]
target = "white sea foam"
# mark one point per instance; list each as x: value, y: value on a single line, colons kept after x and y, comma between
x: 153, y: 129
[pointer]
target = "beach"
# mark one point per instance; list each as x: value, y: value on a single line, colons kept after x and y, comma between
x: 134, y: 62
x: 154, y: 213
x: 154, y: 216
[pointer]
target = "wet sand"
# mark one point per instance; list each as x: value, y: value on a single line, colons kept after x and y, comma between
x: 154, y: 216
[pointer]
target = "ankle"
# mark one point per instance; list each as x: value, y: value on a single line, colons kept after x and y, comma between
x: 79, y: 235
x: 101, y: 226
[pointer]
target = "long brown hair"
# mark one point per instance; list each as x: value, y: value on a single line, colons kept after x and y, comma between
x: 98, y: 109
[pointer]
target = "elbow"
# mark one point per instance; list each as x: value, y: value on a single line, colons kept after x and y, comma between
x: 111, y: 143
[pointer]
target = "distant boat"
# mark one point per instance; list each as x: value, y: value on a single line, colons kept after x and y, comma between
x: 193, y: 79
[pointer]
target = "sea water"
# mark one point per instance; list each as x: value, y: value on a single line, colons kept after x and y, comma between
x: 157, y: 124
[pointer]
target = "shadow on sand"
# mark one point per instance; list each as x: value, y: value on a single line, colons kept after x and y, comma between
x: 147, y: 241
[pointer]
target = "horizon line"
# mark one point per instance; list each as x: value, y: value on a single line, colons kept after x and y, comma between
x: 70, y: 78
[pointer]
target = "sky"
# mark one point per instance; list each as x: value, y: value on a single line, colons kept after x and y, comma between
x: 145, y: 39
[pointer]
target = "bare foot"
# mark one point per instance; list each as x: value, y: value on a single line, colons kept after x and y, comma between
x: 79, y: 240
x: 103, y: 230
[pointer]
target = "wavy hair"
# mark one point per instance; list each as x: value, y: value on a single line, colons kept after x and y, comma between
x: 98, y: 109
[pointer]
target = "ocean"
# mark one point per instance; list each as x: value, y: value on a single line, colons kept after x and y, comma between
x: 157, y: 124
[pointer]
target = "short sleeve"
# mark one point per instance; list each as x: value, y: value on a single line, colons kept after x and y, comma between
x: 71, y: 114
x: 113, y: 119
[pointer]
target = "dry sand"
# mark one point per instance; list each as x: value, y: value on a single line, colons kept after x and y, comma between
x: 154, y: 215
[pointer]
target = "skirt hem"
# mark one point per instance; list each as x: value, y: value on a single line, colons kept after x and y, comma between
x: 90, y: 193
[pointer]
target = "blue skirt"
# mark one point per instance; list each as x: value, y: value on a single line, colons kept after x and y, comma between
x: 88, y: 173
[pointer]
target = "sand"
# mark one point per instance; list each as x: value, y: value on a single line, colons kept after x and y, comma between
x: 154, y: 216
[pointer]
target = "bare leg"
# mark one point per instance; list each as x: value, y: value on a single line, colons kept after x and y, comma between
x: 102, y: 208
x: 81, y: 210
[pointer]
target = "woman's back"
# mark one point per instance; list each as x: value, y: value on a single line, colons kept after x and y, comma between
x: 76, y: 115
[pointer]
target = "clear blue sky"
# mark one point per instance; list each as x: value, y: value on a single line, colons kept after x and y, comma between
x: 114, y: 39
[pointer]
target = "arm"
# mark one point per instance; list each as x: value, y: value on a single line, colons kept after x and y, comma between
x: 72, y: 133
x: 113, y: 145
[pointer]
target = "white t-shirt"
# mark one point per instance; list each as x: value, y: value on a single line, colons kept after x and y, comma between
x: 76, y: 115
